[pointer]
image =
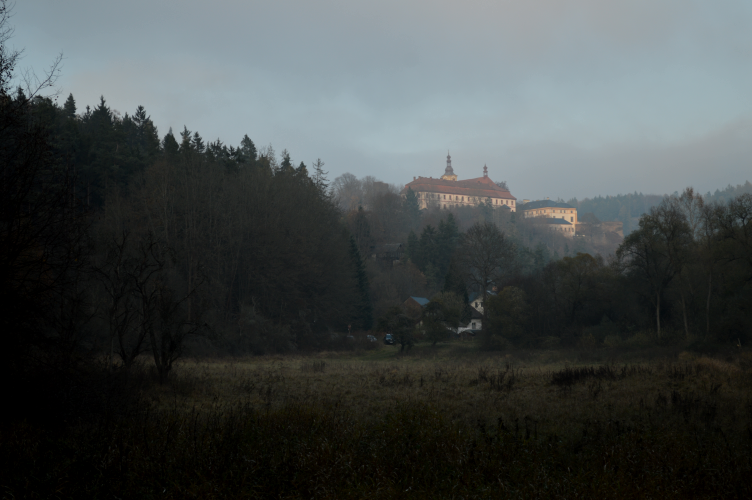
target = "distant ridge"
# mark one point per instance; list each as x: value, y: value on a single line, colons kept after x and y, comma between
x: 628, y: 208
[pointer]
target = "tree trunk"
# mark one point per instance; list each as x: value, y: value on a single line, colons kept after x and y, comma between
x: 684, y: 312
x: 707, y: 306
x: 658, y: 312
x: 157, y: 351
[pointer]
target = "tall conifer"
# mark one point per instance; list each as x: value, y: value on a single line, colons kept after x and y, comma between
x: 364, y: 311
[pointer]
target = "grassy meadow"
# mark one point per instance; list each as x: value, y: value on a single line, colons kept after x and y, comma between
x: 439, y: 422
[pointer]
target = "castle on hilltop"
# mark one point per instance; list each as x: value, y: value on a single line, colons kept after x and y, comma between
x: 447, y: 192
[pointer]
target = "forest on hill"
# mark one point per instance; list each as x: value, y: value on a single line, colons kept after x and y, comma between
x: 117, y: 241
x: 628, y: 208
x: 188, y: 244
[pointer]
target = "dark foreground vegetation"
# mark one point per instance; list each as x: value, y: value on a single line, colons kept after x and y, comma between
x: 128, y: 260
x: 460, y: 425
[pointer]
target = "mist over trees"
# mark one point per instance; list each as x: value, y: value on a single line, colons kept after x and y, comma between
x: 204, y: 245
x: 628, y: 208
x: 122, y: 242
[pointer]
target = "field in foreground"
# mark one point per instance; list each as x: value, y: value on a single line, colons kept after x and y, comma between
x: 441, y: 425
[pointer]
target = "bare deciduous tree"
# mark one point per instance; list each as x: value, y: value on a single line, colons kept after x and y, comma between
x: 487, y: 255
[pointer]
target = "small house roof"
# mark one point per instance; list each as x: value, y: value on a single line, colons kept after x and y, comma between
x: 420, y: 300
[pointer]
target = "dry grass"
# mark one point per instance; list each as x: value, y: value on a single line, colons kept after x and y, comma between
x: 449, y: 423
x: 467, y: 390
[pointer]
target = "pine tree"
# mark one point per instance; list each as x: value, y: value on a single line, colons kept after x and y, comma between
x: 248, y: 150
x: 362, y: 230
x: 302, y: 171
x: 363, y: 316
x: 170, y: 145
x: 412, y: 246
x: 455, y: 283
x: 102, y: 115
x: 139, y: 117
x: 69, y: 107
x: 319, y: 176
x: 447, y: 239
x: 186, y: 144
x: 427, y: 249
x: 198, y: 143
x: 411, y: 207
x: 286, y: 165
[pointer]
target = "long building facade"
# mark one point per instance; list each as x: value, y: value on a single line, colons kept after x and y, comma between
x: 447, y: 192
x: 558, y: 216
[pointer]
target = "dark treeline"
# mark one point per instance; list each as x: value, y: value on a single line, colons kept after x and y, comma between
x: 684, y: 273
x: 628, y: 208
x: 236, y: 250
x: 123, y: 250
x: 249, y: 248
x: 120, y: 242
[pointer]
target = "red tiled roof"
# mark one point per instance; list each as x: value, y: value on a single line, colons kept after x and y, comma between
x: 481, y: 187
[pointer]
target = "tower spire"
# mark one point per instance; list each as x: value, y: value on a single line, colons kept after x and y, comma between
x: 485, y: 171
x: 449, y: 172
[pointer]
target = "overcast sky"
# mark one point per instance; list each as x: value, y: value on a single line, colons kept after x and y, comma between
x: 559, y: 98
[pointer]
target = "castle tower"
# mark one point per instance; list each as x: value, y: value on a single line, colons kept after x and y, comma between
x: 449, y: 172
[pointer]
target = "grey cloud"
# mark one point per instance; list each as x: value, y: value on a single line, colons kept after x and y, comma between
x: 384, y: 88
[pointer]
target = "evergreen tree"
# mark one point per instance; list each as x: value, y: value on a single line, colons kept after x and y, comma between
x: 412, y: 246
x: 319, y: 176
x: 286, y: 165
x: 69, y: 107
x: 411, y: 207
x: 302, y: 171
x: 186, y: 144
x: 215, y: 149
x: 139, y: 117
x: 427, y: 249
x: 248, y: 153
x: 361, y: 229
x: 447, y: 239
x: 170, y: 145
x: 102, y: 115
x: 198, y: 143
x: 363, y: 311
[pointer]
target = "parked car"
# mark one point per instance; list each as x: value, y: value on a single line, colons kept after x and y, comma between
x: 371, y: 338
x: 389, y: 339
